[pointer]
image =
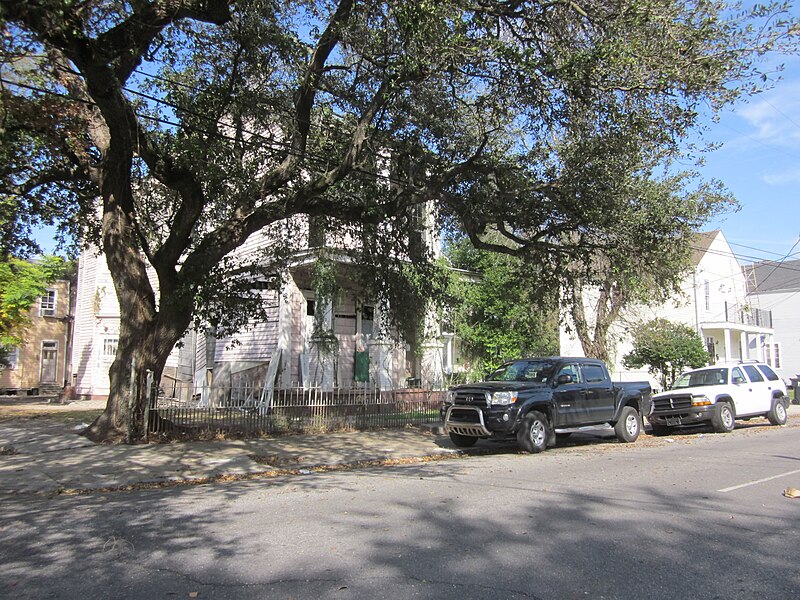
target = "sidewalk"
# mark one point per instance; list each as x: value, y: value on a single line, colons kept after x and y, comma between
x: 41, y: 456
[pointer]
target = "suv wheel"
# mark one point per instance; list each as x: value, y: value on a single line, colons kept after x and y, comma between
x: 629, y: 425
x: 723, y: 419
x: 532, y: 436
x: 777, y: 414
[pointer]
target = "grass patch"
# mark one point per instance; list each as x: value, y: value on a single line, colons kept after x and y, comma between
x: 61, y: 414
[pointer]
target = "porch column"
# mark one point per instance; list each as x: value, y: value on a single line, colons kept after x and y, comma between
x: 727, y: 336
x: 285, y: 298
x: 432, y: 367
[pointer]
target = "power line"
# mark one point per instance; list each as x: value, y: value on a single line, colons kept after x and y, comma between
x: 310, y: 156
x: 281, y: 145
x: 771, y: 273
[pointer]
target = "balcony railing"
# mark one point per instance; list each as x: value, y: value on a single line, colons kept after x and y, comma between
x: 746, y: 315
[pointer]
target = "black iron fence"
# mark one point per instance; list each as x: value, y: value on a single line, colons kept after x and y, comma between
x: 254, y: 410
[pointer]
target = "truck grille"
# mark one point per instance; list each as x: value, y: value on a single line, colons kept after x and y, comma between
x: 468, y: 398
x: 671, y: 403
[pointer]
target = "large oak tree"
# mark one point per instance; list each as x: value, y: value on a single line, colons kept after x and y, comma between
x: 197, y: 123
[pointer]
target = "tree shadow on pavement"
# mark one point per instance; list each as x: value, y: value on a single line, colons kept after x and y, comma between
x: 495, y: 526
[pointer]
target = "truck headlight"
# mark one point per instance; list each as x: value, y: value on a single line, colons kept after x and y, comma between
x: 450, y: 397
x: 504, y: 398
x: 701, y: 400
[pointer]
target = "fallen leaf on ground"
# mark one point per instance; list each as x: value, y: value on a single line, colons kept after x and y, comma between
x: 791, y: 492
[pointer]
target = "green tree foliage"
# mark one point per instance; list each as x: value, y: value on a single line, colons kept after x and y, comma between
x: 666, y: 348
x: 498, y: 308
x: 22, y: 283
x: 649, y: 266
x: 197, y: 123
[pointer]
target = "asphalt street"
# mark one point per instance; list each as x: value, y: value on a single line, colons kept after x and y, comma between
x: 700, y: 516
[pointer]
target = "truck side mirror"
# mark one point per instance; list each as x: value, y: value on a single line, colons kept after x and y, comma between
x: 565, y: 378
x: 737, y: 380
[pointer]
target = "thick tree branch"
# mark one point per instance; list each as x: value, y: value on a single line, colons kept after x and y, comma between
x: 304, y: 98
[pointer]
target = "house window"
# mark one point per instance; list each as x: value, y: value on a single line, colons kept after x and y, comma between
x: 110, y: 348
x: 707, y: 293
x: 12, y: 358
x: 772, y: 354
x: 47, y: 304
x: 367, y: 319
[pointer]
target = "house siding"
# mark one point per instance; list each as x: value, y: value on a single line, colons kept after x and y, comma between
x: 53, y: 330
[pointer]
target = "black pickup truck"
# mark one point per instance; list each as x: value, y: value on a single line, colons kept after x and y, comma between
x: 535, y: 399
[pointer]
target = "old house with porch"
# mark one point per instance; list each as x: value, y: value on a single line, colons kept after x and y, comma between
x: 280, y: 350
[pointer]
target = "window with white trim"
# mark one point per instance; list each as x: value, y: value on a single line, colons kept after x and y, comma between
x: 772, y: 354
x: 707, y: 293
x: 110, y: 348
x: 47, y: 303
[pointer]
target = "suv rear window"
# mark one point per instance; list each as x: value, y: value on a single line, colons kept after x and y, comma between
x: 753, y: 373
x: 771, y: 375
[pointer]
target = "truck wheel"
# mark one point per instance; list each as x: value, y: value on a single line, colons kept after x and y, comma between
x: 628, y: 426
x: 777, y: 414
x: 463, y: 441
x: 723, y: 419
x: 658, y: 430
x: 532, y: 435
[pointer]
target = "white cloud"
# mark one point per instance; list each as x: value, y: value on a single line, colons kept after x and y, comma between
x: 775, y: 116
x: 782, y: 177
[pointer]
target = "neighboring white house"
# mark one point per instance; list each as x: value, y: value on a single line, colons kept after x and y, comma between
x: 281, y: 347
x: 713, y: 300
x: 775, y: 287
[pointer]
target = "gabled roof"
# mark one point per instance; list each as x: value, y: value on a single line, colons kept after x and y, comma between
x: 773, y: 276
x: 700, y: 242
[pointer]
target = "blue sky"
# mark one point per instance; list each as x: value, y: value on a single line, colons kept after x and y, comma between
x: 759, y: 162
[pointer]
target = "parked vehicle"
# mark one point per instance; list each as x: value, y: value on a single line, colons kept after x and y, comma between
x: 720, y: 394
x: 535, y: 399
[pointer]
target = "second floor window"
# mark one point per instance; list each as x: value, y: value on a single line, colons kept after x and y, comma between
x: 47, y: 304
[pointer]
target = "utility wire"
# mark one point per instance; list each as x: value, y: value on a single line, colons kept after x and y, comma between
x: 285, y: 146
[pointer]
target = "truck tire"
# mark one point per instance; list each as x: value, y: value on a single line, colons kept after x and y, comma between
x: 777, y: 414
x: 658, y: 430
x: 723, y: 419
x: 629, y: 425
x: 532, y: 435
x: 463, y: 441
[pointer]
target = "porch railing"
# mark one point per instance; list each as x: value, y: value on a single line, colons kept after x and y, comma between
x: 757, y: 317
x: 254, y: 410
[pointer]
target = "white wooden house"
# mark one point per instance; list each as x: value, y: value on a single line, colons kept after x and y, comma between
x: 280, y: 347
x: 713, y: 300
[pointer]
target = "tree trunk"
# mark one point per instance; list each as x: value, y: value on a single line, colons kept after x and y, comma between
x: 141, y: 350
x: 146, y: 335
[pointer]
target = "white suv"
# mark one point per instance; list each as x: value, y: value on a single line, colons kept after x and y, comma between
x: 720, y: 394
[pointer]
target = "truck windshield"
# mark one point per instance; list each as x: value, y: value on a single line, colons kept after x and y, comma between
x: 702, y: 378
x: 528, y: 370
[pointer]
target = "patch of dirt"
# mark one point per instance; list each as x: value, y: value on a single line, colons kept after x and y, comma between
x: 55, y: 412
